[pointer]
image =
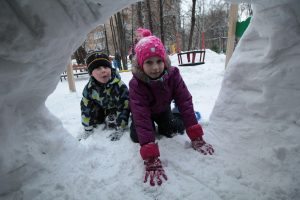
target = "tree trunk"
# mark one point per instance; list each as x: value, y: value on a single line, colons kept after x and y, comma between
x: 162, y: 36
x: 121, y: 39
x: 183, y: 35
x: 80, y: 55
x: 139, y: 14
x: 111, y: 21
x: 149, y: 15
x: 192, y: 25
x: 106, y: 41
x: 132, y: 32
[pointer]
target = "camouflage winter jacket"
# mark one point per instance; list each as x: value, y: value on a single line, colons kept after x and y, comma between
x: 110, y: 96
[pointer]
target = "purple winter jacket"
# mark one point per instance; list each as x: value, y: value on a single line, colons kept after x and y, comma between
x: 149, y: 97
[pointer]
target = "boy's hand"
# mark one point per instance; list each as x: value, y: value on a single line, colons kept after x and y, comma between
x: 117, y: 134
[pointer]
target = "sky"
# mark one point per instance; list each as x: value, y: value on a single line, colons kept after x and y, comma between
x: 250, y: 113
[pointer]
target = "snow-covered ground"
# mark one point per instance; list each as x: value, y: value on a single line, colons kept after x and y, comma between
x: 254, y: 125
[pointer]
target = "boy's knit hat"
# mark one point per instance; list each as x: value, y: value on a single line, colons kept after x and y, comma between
x: 148, y: 47
x: 144, y: 32
x: 96, y: 59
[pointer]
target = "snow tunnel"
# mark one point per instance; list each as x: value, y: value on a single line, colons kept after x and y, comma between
x: 256, y: 119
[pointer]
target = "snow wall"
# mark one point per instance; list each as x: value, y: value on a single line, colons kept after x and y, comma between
x: 37, y: 38
x: 258, y: 107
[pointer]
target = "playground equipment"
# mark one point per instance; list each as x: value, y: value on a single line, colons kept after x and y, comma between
x: 77, y: 70
x: 195, y: 57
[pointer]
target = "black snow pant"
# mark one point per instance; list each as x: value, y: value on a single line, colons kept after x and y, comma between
x: 99, y: 115
x: 168, y: 124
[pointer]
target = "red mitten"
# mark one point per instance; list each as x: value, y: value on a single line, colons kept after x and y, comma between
x: 195, y: 133
x: 153, y: 166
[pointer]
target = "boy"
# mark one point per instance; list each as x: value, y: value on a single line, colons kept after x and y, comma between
x: 105, y: 97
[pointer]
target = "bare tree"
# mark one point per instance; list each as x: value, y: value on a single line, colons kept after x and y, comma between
x: 139, y: 14
x: 192, y: 24
x: 216, y: 25
x: 161, y: 17
x: 116, y: 32
x: 80, y: 55
x: 113, y: 32
x: 106, y: 41
x: 199, y: 26
x: 121, y: 38
x: 149, y: 15
x: 183, y: 35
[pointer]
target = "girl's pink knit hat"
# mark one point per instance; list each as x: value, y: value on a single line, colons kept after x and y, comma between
x: 148, y: 47
x: 144, y: 32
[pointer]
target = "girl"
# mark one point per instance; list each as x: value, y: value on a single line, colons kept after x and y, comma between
x: 151, y: 90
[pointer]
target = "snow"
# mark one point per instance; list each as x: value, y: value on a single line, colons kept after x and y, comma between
x: 251, y: 117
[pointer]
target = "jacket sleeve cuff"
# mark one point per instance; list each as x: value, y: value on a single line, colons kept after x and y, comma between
x: 194, y: 131
x: 149, y: 150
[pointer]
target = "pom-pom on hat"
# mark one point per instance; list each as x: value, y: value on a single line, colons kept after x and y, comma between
x: 148, y: 47
x: 144, y: 32
x: 96, y: 59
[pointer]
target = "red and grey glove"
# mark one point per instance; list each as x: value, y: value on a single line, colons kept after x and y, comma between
x: 153, y: 166
x: 195, y: 133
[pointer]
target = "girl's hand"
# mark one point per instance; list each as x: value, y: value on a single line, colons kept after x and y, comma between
x: 201, y: 146
x: 154, y: 170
